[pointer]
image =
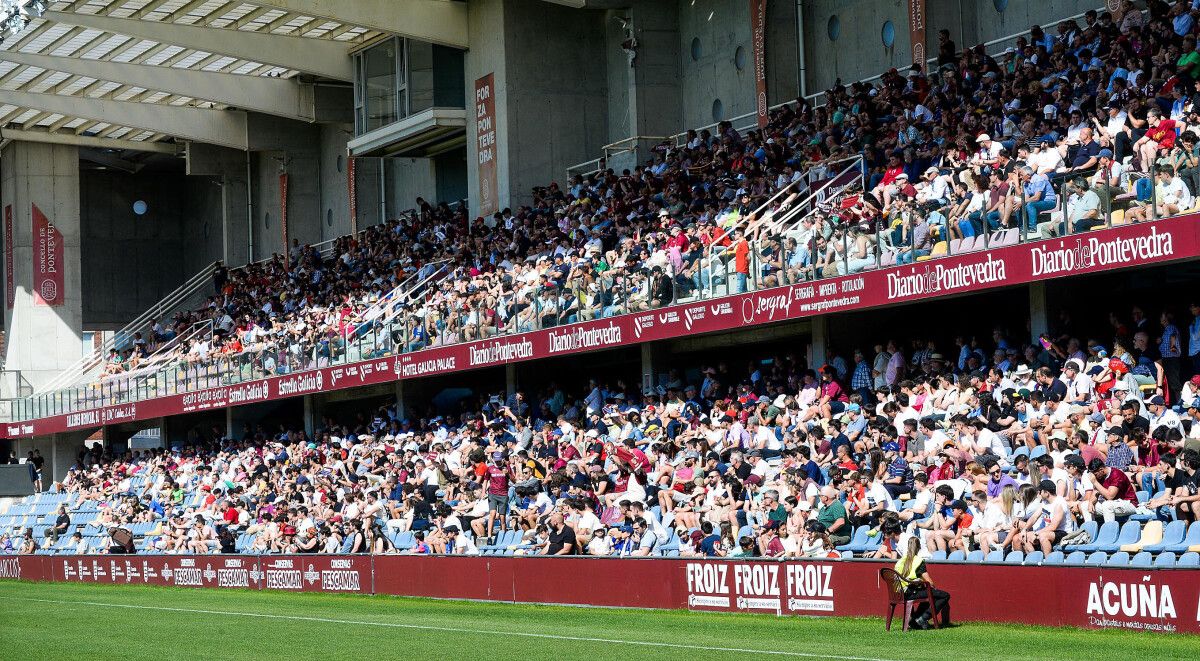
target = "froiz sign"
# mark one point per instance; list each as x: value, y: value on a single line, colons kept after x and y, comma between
x: 744, y: 586
x: 802, y: 587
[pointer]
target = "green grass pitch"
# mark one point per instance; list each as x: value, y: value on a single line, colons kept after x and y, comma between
x: 60, y: 621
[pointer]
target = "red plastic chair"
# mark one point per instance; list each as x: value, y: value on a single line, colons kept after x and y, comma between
x: 897, y: 597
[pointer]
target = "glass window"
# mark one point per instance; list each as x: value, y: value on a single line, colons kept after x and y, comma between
x: 379, y: 84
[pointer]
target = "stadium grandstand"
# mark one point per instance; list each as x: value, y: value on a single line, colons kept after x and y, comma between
x: 712, y: 280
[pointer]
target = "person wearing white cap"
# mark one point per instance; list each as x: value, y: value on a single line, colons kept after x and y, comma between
x: 988, y: 151
x: 937, y: 187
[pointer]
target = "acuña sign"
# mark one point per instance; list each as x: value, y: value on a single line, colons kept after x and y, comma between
x: 1135, y: 245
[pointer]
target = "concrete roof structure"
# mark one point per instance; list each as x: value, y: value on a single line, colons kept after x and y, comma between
x: 149, y: 74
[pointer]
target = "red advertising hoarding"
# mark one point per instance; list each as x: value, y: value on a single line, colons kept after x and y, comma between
x: 485, y: 142
x: 1158, y: 600
x: 283, y: 219
x: 10, y: 285
x: 352, y: 185
x: 916, y: 31
x: 1142, y: 244
x: 48, y: 261
x: 758, y: 45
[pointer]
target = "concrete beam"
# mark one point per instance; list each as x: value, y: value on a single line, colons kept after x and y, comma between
x: 436, y: 21
x: 282, y: 97
x: 219, y: 127
x: 320, y: 57
x: 54, y: 138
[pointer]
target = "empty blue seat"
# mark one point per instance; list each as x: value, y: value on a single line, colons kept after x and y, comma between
x: 995, y: 556
x: 1190, y: 539
x: 1055, y: 558
x: 956, y: 556
x: 858, y: 539
x: 1096, y: 559
x: 1142, y: 559
x: 1106, y: 536
x: 937, y: 555
x: 1034, y: 558
x: 1014, y: 558
x: 1075, y: 558
x: 1131, y: 531
x: 1143, y: 496
x: 975, y: 556
x: 1189, y: 559
x: 1165, y: 559
x: 847, y: 554
x: 1172, y: 535
x: 1118, y: 559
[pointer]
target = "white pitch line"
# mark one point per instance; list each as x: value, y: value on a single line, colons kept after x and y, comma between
x: 427, y: 627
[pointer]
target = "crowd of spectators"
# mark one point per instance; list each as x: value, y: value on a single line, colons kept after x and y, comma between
x: 1049, y: 137
x: 987, y: 444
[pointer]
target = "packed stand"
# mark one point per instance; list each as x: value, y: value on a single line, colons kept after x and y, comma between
x: 1067, y: 449
x: 1083, y: 126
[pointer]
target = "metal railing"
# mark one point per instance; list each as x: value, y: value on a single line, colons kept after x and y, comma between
x: 167, y: 306
x: 427, y: 317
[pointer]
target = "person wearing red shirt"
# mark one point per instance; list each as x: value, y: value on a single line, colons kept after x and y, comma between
x: 833, y: 398
x: 741, y: 259
x: 1160, y: 137
x: 498, y: 475
x: 230, y: 515
x: 1120, y: 498
x: 631, y: 456
x: 678, y: 239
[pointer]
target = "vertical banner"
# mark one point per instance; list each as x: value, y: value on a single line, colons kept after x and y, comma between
x: 10, y: 287
x: 916, y: 31
x: 47, y: 261
x: 758, y: 36
x: 352, y: 185
x: 485, y: 136
x: 283, y: 186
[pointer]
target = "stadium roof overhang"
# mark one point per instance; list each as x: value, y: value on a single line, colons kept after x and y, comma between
x: 148, y: 75
x: 421, y: 135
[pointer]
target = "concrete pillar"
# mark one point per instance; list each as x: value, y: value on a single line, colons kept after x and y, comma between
x: 229, y: 174
x: 543, y: 126
x: 408, y: 399
x: 651, y: 364
x: 511, y: 382
x: 818, y: 349
x: 655, y: 86
x: 1039, y: 321
x: 42, y: 339
x: 310, y: 415
x: 63, y: 453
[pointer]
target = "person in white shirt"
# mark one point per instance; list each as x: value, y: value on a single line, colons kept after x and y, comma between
x: 1115, y: 125
x: 937, y: 188
x: 1055, y: 521
x: 1170, y: 193
x: 1079, y: 385
x: 600, y: 544
x: 1075, y: 128
x: 1047, y: 159
x: 1162, y: 416
x: 988, y: 151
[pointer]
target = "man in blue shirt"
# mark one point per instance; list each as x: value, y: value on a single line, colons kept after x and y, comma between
x: 1039, y: 195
